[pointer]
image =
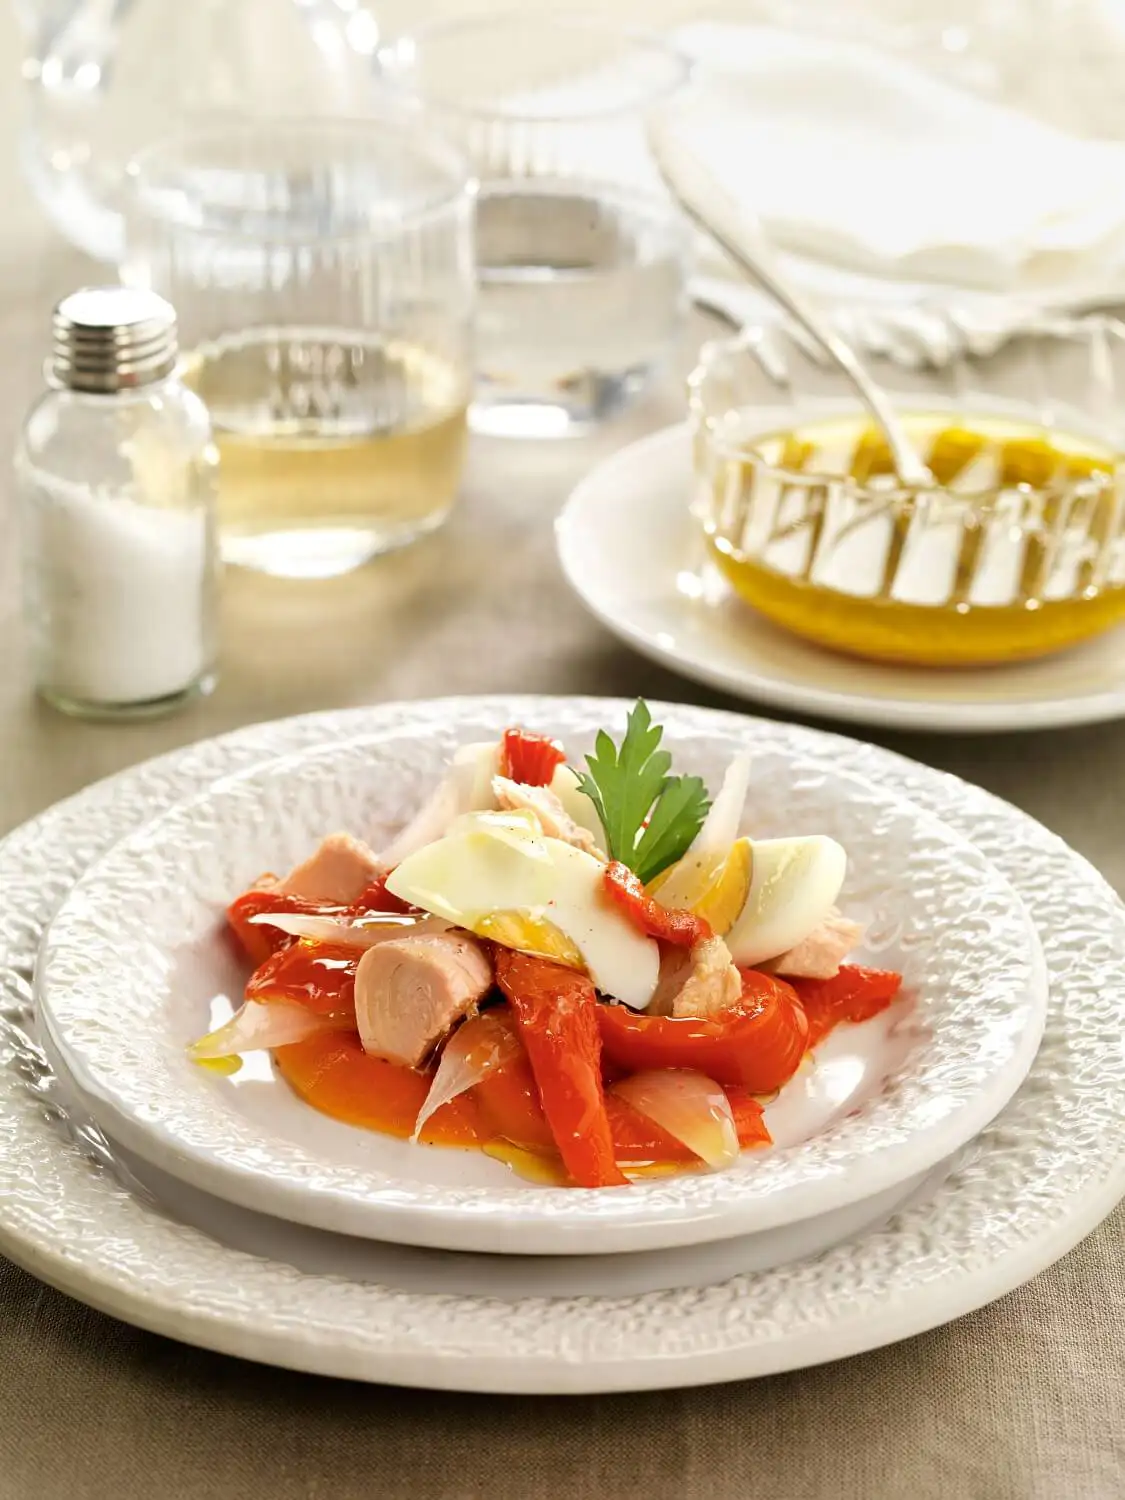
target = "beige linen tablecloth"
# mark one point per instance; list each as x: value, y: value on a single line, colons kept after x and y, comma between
x: 1024, y: 1400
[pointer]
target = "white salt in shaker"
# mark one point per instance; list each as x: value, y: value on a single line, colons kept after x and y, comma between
x: 117, y: 477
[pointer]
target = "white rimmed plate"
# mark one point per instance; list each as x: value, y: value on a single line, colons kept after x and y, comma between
x: 1019, y: 1196
x: 632, y: 553
x: 135, y: 965
x: 413, y: 1269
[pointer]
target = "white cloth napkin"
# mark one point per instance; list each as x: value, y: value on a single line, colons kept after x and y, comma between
x: 861, y: 159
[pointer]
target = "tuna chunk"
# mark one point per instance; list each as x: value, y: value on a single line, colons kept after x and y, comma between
x: 700, y: 981
x: 340, y: 871
x: 555, y: 821
x: 820, y: 955
x: 410, y: 991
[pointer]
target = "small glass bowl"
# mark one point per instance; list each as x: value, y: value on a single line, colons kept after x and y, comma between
x: 1019, y: 551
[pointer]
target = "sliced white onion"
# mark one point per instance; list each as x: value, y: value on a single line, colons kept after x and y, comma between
x: 685, y: 881
x: 689, y: 1106
x: 466, y: 787
x: 476, y: 1049
x: 724, y: 819
x: 371, y: 928
x: 255, y: 1027
x: 567, y: 787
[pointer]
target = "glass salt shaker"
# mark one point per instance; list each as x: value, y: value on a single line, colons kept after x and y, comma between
x: 116, y: 472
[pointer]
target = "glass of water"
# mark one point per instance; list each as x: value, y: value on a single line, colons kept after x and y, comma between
x: 323, y: 276
x: 582, y: 256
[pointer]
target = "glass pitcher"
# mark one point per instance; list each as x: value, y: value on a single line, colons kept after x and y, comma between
x: 106, y: 78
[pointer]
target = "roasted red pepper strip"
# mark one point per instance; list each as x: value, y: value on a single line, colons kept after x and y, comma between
x: 333, y: 1073
x: 758, y: 1045
x: 377, y: 898
x: 260, y: 941
x: 509, y: 1101
x: 557, y: 1014
x: 748, y: 1119
x: 681, y: 928
x: 854, y: 994
x: 530, y: 759
x: 320, y: 976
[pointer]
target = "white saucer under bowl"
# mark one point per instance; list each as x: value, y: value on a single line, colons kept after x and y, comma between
x: 135, y: 965
x: 635, y: 557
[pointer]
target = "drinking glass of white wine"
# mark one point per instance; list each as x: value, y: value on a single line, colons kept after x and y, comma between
x: 582, y: 256
x: 323, y: 275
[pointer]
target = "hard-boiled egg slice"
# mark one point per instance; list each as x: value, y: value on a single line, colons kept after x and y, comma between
x: 487, y: 862
x: 621, y: 961
x: 515, y: 825
x: 493, y: 868
x: 687, y: 882
x: 793, y: 887
x: 530, y: 934
x: 724, y: 899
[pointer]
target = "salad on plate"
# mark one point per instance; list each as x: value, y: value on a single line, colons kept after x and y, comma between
x: 589, y: 973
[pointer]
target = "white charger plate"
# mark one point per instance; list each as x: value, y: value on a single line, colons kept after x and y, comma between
x: 1019, y: 1196
x: 636, y: 559
x: 136, y: 964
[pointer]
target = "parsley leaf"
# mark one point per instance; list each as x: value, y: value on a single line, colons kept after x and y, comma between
x: 676, y: 819
x: 630, y: 784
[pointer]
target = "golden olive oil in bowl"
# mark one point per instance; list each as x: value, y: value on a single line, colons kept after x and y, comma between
x: 1017, y: 551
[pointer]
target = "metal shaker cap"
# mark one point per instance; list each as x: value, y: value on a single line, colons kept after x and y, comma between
x: 112, y: 338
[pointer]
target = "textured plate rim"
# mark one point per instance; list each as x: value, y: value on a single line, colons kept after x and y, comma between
x: 893, y: 711
x: 922, y: 1128
x: 1061, y: 1215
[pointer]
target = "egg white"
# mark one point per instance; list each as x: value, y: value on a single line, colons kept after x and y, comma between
x: 496, y: 862
x: 793, y: 887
